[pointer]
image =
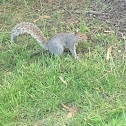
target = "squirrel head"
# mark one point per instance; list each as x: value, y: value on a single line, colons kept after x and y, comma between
x: 80, y: 36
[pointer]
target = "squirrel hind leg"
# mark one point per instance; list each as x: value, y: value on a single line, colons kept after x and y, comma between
x: 53, y: 49
x: 14, y: 35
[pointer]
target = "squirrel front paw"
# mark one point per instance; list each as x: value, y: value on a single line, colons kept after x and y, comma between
x: 76, y: 57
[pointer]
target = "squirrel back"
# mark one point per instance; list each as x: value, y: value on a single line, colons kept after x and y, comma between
x: 29, y: 28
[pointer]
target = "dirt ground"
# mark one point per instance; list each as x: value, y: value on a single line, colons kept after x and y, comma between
x: 111, y: 12
x: 115, y: 14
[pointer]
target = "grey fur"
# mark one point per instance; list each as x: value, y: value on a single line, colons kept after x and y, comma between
x: 56, y: 45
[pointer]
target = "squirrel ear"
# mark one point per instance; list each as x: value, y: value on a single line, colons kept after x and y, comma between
x: 76, y: 31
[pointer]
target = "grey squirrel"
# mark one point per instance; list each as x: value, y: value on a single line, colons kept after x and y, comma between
x: 56, y: 45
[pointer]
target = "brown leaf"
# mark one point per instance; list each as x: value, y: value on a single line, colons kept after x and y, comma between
x: 108, y: 53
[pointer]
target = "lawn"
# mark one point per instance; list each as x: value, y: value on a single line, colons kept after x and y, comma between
x: 46, y: 90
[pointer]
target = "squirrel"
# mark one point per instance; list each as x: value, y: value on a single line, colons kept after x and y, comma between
x: 56, y: 45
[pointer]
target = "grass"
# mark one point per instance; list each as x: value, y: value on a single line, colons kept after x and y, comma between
x: 32, y: 93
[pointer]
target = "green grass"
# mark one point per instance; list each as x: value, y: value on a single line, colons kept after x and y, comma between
x: 31, y: 92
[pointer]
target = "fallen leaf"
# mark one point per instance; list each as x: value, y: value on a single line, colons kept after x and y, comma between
x: 108, y: 53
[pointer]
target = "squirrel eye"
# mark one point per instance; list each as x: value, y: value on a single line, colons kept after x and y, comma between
x: 76, y: 32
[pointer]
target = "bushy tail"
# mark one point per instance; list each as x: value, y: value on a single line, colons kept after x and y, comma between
x: 29, y: 28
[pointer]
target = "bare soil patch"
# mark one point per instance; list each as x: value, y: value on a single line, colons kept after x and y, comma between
x: 114, y: 14
x: 111, y: 12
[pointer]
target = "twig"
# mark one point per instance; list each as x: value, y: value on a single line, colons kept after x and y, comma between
x: 61, y: 78
x: 66, y: 107
x: 94, y: 12
x: 88, y: 12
